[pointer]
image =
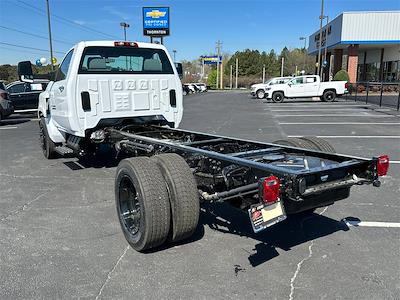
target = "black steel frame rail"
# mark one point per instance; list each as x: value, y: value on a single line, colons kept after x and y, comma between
x: 344, y: 161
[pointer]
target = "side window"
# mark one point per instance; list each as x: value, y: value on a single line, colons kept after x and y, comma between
x: 310, y: 79
x: 298, y: 80
x: 27, y: 87
x: 64, y: 67
x: 17, y: 88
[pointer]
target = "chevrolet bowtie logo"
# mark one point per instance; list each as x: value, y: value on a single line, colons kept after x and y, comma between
x: 155, y: 14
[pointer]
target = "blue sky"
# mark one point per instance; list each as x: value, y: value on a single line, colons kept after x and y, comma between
x: 195, y: 25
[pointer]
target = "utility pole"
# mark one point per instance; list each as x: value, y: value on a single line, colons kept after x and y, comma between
x: 237, y: 73
x: 321, y: 17
x: 230, y: 78
x: 50, y: 41
x: 218, y: 47
x: 221, y: 85
x: 305, y: 51
x: 263, y: 80
x: 282, y: 62
x: 174, y: 51
x: 125, y: 26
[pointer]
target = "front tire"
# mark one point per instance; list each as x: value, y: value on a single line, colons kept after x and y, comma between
x: 47, y: 145
x: 260, y: 94
x: 143, y: 208
x: 278, y: 97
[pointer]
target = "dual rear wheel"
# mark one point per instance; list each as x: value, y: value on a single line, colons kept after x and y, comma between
x: 157, y: 200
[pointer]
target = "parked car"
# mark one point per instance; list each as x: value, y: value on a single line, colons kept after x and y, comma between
x: 6, y: 107
x: 191, y: 88
x: 195, y: 87
x: 185, y: 90
x: 25, y: 95
x: 201, y: 86
x: 306, y: 87
x: 259, y: 89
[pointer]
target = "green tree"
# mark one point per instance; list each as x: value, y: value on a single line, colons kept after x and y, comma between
x: 341, y: 75
x: 212, y: 78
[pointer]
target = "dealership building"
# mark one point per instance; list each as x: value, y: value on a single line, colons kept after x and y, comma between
x: 366, y: 44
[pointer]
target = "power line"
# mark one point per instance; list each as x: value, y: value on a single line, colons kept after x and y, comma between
x: 21, y: 50
x: 65, y: 20
x: 35, y: 35
x: 26, y: 47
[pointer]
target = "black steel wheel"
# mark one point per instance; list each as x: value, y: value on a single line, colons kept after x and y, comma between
x: 278, y: 97
x: 329, y: 96
x: 260, y: 94
x: 183, y: 195
x: 142, y: 203
x: 46, y: 144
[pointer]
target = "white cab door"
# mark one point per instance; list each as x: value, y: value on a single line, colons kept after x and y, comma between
x: 295, y: 87
x: 58, y: 101
x: 311, y: 86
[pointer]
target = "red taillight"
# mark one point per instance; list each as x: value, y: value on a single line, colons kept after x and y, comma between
x: 382, y: 165
x: 346, y: 85
x: 126, y: 44
x: 271, y: 189
x: 4, y: 96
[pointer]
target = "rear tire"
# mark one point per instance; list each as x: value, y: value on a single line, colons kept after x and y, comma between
x: 260, y: 94
x: 278, y: 97
x: 296, y: 142
x: 183, y: 195
x: 141, y: 197
x: 47, y: 145
x: 329, y: 96
x: 320, y: 144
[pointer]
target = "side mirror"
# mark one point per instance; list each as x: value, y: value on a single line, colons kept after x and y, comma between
x: 25, y: 72
x: 179, y: 69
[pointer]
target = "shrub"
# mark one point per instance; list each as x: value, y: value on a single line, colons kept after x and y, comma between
x: 341, y: 75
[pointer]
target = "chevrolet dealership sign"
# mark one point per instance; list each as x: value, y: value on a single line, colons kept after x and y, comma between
x: 156, y: 21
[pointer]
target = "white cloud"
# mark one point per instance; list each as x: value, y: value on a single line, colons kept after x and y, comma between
x: 79, y: 22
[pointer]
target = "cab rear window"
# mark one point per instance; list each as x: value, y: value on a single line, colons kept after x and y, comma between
x: 124, y: 60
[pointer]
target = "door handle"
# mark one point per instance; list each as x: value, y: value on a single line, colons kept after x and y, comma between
x: 85, y: 96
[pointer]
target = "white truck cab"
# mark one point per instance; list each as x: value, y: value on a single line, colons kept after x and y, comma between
x: 104, y: 83
x: 306, y: 86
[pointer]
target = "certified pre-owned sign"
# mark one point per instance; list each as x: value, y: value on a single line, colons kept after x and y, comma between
x: 156, y: 21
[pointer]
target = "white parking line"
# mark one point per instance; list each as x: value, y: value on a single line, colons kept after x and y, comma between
x: 353, y: 136
x: 319, y: 105
x: 339, y: 115
x: 338, y: 123
x: 317, y: 109
x: 357, y: 223
x: 395, y: 161
x: 8, y: 127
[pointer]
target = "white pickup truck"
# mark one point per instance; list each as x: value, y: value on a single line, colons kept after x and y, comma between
x: 305, y: 87
x: 259, y: 89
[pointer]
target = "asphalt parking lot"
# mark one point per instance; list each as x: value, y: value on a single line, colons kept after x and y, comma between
x: 60, y: 237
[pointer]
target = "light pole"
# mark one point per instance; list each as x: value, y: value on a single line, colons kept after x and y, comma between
x: 125, y: 26
x: 174, y: 51
x: 51, y: 44
x: 321, y: 17
x: 305, y: 51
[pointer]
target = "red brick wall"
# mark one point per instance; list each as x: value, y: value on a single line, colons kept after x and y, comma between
x: 352, y: 62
